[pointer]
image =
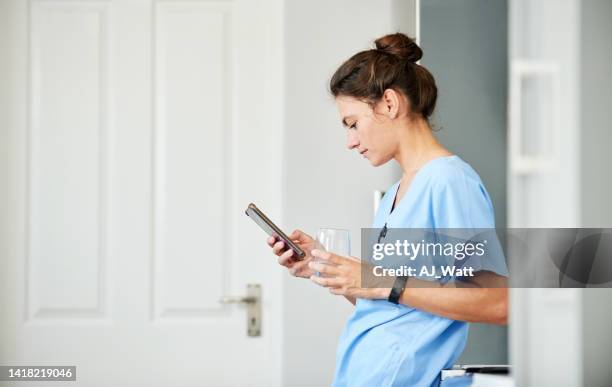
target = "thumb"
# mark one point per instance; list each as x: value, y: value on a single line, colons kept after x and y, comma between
x: 299, y: 235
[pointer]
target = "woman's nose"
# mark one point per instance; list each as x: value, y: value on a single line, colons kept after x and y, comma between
x: 351, y: 140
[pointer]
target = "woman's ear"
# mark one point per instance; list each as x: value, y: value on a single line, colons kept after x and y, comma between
x: 391, y: 100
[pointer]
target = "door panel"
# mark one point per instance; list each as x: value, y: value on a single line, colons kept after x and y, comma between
x: 67, y: 161
x: 134, y: 134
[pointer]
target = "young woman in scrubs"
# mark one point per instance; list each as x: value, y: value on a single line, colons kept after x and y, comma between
x: 385, y: 100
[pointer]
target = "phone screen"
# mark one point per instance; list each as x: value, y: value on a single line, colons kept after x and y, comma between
x: 271, y: 229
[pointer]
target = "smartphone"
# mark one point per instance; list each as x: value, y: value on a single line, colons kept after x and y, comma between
x: 271, y: 229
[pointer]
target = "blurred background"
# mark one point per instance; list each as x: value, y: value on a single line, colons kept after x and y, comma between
x: 134, y: 133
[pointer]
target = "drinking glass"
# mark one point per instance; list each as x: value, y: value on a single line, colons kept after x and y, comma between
x: 333, y: 240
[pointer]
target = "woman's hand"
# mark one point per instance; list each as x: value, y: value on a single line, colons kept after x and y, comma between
x: 286, y: 256
x: 342, y: 275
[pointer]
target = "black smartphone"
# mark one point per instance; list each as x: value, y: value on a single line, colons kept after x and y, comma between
x: 271, y: 229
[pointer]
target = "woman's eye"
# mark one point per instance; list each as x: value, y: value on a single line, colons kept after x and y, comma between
x: 353, y: 126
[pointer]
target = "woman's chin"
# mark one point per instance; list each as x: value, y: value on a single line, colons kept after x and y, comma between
x: 377, y: 161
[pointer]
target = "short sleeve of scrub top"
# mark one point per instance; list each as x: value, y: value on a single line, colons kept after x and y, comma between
x: 384, y: 344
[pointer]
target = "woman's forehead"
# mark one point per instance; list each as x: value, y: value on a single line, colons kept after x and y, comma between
x: 350, y: 106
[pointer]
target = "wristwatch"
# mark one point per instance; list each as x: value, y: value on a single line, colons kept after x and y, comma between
x: 396, y: 291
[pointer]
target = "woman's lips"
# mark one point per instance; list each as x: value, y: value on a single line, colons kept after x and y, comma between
x: 364, y: 153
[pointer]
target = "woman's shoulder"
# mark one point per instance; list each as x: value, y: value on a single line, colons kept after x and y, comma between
x: 459, y: 198
x: 453, y: 171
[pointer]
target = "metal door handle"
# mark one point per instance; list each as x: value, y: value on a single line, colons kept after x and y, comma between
x: 253, y: 302
x: 237, y: 300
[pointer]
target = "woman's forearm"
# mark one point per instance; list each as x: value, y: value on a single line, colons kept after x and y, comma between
x: 484, y: 298
x: 470, y: 303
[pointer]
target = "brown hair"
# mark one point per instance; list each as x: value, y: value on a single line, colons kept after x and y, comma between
x: 391, y: 65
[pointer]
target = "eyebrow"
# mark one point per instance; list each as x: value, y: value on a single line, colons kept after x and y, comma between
x: 344, y: 120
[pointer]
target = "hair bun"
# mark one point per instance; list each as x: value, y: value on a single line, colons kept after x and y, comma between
x: 401, y: 46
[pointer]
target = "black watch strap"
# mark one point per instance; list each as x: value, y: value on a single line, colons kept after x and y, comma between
x: 396, y: 291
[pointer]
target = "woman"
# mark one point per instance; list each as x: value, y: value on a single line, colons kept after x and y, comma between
x: 402, y: 335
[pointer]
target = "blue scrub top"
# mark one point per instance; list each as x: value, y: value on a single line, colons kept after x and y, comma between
x: 384, y: 344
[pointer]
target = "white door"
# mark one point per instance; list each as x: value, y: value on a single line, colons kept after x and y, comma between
x: 134, y: 133
x: 544, y: 180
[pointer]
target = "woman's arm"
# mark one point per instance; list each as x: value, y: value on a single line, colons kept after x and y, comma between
x: 472, y: 302
x: 483, y: 299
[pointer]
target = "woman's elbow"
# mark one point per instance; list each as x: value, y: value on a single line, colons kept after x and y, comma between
x: 499, y: 313
x: 493, y: 307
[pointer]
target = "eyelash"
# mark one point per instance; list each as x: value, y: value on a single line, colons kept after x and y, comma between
x: 353, y: 126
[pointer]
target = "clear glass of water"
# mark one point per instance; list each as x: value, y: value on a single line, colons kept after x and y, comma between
x: 333, y: 240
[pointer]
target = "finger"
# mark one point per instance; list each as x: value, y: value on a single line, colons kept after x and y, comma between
x: 329, y: 270
x: 296, y: 269
x: 286, y: 259
x: 327, y: 256
x: 327, y: 282
x: 271, y: 240
x: 278, y: 248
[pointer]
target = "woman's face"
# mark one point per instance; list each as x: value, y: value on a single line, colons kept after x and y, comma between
x: 369, y: 130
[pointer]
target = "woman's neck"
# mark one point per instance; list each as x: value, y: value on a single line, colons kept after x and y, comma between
x: 417, y: 146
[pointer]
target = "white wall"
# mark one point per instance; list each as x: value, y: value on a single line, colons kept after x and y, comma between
x: 326, y: 185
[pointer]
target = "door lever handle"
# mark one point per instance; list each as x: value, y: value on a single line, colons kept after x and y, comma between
x: 253, y: 302
x: 237, y: 300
